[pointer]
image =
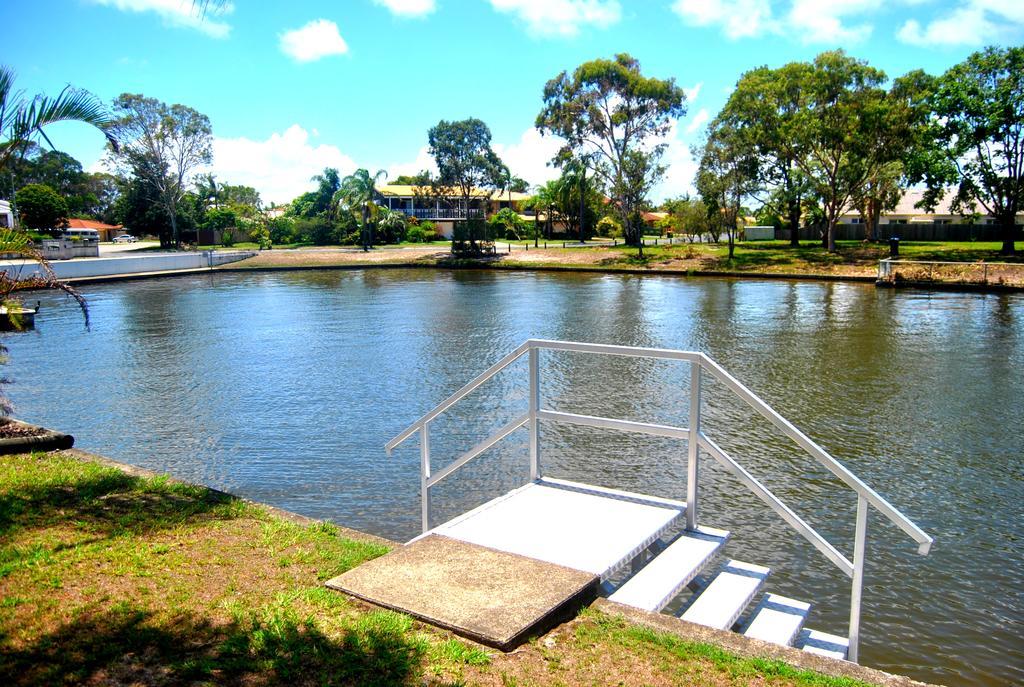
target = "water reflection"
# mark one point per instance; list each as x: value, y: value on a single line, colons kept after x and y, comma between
x: 284, y: 387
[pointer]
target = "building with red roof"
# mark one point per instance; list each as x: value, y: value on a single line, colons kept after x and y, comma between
x: 107, y: 231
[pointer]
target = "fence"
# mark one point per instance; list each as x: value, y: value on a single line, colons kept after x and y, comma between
x: 918, y: 231
x: 923, y: 271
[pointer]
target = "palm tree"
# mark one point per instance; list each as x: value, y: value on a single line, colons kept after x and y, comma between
x: 357, y: 193
x: 548, y: 197
x: 23, y: 119
x: 392, y: 224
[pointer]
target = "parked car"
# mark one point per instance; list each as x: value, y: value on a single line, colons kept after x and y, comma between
x: 125, y: 238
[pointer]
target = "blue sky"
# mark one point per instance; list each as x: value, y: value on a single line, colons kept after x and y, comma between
x: 293, y: 87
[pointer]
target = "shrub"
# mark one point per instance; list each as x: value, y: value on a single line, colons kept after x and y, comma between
x: 508, y: 224
x: 418, y: 235
x: 318, y: 230
x: 282, y: 230
x: 261, y: 235
x: 609, y: 227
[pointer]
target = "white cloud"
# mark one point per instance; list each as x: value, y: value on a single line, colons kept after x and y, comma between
x: 823, y: 22
x: 693, y: 92
x: 424, y: 161
x: 317, y: 39
x: 528, y: 157
x: 180, y: 13
x: 280, y: 166
x: 697, y: 121
x: 738, y: 18
x: 809, y: 21
x: 561, y: 17
x: 681, y: 165
x: 974, y: 22
x: 408, y: 8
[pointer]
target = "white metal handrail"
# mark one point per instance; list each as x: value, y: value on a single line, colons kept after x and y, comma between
x: 696, y: 439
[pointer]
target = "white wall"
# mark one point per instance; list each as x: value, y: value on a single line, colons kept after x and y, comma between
x: 100, y: 267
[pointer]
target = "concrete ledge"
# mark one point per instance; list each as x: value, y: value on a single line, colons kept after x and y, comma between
x: 484, y: 266
x: 753, y: 648
x: 48, y: 440
x: 492, y: 597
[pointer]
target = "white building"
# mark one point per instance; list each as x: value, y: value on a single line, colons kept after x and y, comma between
x: 6, y: 216
x: 907, y: 212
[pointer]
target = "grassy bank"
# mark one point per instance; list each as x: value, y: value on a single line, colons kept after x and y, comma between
x: 853, y: 259
x: 107, y: 578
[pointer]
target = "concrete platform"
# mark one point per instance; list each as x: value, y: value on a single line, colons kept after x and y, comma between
x: 579, y: 526
x: 493, y: 597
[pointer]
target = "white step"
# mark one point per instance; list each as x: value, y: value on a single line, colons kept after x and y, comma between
x: 777, y: 619
x: 658, y: 582
x: 721, y: 604
x: 824, y: 644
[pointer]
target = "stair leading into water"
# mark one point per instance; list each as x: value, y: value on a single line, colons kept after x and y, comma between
x: 579, y: 528
x: 661, y: 580
x: 724, y: 600
x: 605, y: 531
x: 777, y: 619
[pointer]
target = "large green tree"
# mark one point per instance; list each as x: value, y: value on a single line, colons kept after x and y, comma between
x: 612, y: 118
x: 978, y: 129
x: 163, y: 145
x: 466, y: 165
x: 728, y: 173
x: 828, y: 131
x: 41, y: 208
x: 87, y: 195
x: 765, y: 105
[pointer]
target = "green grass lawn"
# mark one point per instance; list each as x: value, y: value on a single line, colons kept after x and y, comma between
x: 852, y: 257
x: 107, y: 578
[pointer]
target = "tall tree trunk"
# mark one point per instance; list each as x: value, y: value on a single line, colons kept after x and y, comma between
x: 793, y: 209
x: 794, y: 222
x: 174, y: 230
x: 830, y: 235
x: 1008, y: 220
x: 364, y: 229
x: 583, y: 178
x: 874, y: 215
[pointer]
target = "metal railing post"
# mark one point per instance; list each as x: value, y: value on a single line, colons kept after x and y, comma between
x: 425, y: 475
x: 858, y: 576
x: 534, y: 408
x: 693, y: 444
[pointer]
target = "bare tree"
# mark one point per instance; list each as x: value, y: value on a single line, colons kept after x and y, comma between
x: 163, y: 145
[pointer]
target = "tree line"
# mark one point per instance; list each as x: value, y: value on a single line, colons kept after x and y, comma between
x: 833, y: 135
x: 807, y: 140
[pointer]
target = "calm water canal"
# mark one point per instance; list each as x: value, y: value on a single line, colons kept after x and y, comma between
x: 285, y: 386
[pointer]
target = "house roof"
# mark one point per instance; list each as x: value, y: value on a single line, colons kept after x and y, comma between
x: 912, y: 196
x: 905, y: 208
x: 76, y: 223
x: 407, y: 191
